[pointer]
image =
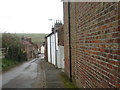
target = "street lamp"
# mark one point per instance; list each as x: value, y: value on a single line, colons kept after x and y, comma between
x: 50, y: 19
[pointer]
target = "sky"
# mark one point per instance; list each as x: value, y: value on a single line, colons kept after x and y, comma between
x: 29, y: 16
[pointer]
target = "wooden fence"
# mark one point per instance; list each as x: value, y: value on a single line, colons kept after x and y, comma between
x: 3, y: 52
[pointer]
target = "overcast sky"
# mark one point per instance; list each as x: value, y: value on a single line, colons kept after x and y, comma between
x: 29, y: 16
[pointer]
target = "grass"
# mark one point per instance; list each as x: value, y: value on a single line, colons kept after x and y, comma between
x: 7, y: 64
x: 0, y: 65
x: 67, y: 82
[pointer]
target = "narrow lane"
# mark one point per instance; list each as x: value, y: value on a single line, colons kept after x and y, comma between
x: 28, y: 75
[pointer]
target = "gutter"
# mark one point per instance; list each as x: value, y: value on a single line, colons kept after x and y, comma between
x: 50, y: 50
x: 55, y: 50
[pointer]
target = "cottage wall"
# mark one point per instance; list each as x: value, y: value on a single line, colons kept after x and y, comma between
x: 48, y: 49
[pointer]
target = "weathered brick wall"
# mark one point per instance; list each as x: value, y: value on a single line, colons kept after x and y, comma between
x: 73, y: 40
x: 95, y: 44
x: 66, y: 39
x: 60, y: 36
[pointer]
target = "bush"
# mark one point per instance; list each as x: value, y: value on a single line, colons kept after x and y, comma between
x: 15, y: 48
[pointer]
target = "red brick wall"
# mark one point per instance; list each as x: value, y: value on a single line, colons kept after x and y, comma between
x: 60, y: 36
x: 66, y: 39
x: 46, y: 52
x: 73, y: 40
x: 95, y: 44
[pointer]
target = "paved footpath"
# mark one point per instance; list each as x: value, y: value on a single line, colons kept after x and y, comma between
x: 52, y: 76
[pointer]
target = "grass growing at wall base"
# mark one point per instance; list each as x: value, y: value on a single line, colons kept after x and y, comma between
x: 7, y: 64
x: 0, y: 65
x: 67, y: 82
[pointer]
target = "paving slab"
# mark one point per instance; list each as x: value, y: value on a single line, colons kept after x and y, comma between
x: 53, y: 76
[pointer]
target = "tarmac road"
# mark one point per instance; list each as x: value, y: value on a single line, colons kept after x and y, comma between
x: 28, y: 75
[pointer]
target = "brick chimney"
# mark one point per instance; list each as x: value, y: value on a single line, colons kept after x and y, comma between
x: 52, y: 29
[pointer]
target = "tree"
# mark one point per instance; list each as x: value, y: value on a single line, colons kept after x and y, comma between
x: 15, y: 48
x: 10, y: 40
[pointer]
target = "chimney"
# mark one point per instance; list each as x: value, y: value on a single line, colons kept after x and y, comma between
x: 22, y: 38
x: 52, y: 29
x: 28, y: 39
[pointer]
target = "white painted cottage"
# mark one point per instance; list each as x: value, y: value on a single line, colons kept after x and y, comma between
x: 55, y: 51
x: 42, y: 50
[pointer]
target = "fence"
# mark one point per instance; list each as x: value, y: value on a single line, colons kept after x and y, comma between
x: 3, y: 52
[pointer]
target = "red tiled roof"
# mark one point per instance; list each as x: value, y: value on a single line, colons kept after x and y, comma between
x: 24, y: 42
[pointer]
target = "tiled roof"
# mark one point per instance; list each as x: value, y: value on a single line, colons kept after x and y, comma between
x: 24, y: 42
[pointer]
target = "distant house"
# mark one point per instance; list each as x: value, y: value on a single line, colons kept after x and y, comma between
x: 29, y: 48
x: 42, y: 49
x: 35, y: 49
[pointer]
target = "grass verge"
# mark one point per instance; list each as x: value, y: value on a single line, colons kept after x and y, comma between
x: 67, y: 82
x: 0, y: 65
x: 8, y: 64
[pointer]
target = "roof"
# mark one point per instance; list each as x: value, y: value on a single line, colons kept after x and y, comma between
x: 24, y: 42
x: 49, y: 34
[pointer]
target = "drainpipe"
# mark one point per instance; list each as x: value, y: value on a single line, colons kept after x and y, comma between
x: 50, y: 50
x: 45, y: 50
x: 69, y: 40
x: 55, y: 50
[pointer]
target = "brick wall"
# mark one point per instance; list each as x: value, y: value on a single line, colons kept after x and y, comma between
x: 95, y: 43
x: 60, y: 36
x: 66, y: 39
x: 46, y: 51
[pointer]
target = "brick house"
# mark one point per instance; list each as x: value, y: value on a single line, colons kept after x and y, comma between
x: 29, y: 48
x: 60, y: 52
x: 92, y: 43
